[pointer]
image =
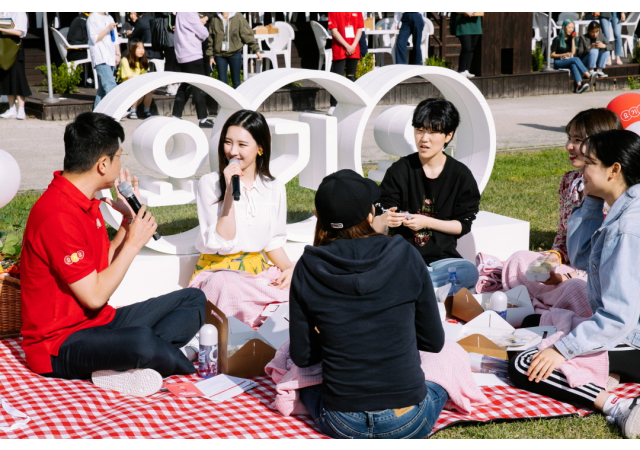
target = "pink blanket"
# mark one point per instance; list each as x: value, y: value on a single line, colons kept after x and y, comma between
x: 450, y: 369
x: 490, y: 273
x: 581, y: 370
x: 570, y: 294
x: 240, y: 294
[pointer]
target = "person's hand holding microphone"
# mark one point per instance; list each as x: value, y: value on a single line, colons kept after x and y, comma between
x: 232, y: 174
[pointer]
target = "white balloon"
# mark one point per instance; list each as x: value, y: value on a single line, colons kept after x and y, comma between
x: 635, y: 127
x: 10, y: 176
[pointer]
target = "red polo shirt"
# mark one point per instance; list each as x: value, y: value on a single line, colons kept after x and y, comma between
x: 340, y: 21
x: 64, y: 241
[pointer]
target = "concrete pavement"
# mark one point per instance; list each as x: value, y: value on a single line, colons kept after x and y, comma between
x: 520, y: 123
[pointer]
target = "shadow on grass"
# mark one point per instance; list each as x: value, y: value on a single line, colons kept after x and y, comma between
x: 539, y: 239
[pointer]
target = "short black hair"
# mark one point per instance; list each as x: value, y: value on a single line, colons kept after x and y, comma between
x: 89, y: 137
x: 593, y: 25
x: 616, y: 146
x: 436, y: 115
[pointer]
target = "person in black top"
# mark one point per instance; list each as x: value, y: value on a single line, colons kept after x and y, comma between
x: 429, y: 198
x: 363, y: 304
x: 142, y: 31
x: 78, y: 35
x: 563, y: 50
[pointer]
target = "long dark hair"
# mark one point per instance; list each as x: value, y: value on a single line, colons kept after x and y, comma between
x: 133, y: 58
x: 359, y: 230
x: 593, y: 121
x: 616, y: 146
x: 257, y: 126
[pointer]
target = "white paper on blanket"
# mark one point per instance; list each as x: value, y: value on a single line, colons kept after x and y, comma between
x: 488, y: 379
x: 16, y: 414
x: 539, y: 332
x: 274, y: 331
x: 223, y: 387
x: 518, y: 297
x: 488, y: 324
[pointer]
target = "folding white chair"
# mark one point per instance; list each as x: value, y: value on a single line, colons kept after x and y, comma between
x: 63, y: 47
x: 321, y: 35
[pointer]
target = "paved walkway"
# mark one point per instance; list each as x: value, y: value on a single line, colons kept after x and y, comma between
x: 522, y: 122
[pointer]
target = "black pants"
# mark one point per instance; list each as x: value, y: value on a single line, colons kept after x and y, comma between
x: 468, y: 44
x: 143, y: 335
x: 186, y: 90
x: 623, y: 360
x: 338, y: 66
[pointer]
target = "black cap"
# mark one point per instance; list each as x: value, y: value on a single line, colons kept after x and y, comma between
x: 344, y: 199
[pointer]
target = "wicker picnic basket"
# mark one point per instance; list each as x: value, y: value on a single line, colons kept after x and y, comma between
x: 10, y: 320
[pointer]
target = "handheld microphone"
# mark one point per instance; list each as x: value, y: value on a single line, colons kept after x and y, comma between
x: 127, y: 192
x: 235, y: 182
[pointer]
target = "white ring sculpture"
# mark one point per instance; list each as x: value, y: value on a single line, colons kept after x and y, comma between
x: 356, y: 102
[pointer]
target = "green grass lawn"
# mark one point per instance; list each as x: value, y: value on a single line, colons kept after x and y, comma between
x: 523, y: 185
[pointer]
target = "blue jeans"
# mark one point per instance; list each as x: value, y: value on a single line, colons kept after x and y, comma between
x: 412, y: 25
x: 232, y: 63
x: 106, y: 82
x: 617, y: 33
x: 416, y: 423
x: 596, y: 58
x: 466, y: 270
x: 575, y: 64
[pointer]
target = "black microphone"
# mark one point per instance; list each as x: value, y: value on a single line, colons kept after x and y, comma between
x: 235, y: 182
x: 127, y: 192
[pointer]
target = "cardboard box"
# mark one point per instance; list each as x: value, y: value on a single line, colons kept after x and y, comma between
x: 520, y: 300
x: 369, y: 23
x: 260, y: 30
x: 242, y: 351
x: 463, y: 306
x: 477, y: 343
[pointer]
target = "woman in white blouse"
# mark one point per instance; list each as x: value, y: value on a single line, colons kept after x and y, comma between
x: 13, y: 81
x: 234, y: 233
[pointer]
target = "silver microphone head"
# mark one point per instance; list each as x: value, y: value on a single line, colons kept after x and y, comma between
x: 234, y: 161
x: 125, y: 189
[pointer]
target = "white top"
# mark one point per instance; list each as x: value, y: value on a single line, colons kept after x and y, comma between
x: 20, y: 21
x: 261, y: 217
x: 104, y: 51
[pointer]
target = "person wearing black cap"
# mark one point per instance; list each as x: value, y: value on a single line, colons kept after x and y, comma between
x: 439, y: 195
x: 362, y: 303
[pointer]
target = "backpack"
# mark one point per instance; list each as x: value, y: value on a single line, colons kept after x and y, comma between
x: 159, y: 34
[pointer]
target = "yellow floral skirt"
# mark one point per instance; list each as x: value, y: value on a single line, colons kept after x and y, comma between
x: 253, y: 262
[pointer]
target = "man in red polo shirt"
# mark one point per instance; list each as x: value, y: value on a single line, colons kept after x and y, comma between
x: 346, y: 29
x: 70, y: 269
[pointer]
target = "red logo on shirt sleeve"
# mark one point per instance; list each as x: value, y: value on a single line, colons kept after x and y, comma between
x: 67, y: 260
x: 80, y: 254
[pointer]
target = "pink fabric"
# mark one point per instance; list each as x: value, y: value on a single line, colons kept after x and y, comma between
x: 570, y: 294
x: 241, y: 294
x: 450, y: 369
x: 581, y: 370
x: 490, y: 273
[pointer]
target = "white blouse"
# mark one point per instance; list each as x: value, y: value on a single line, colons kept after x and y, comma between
x: 20, y: 21
x: 261, y: 217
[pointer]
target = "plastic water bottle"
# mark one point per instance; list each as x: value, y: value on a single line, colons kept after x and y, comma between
x: 487, y: 364
x: 498, y: 303
x: 113, y: 35
x: 208, y: 355
x: 456, y: 285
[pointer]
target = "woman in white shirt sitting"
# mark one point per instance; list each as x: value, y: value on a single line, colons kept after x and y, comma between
x: 234, y: 233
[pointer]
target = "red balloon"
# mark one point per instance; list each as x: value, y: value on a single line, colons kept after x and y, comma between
x: 627, y: 107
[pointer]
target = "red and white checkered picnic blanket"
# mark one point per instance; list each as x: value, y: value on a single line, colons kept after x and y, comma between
x: 78, y: 409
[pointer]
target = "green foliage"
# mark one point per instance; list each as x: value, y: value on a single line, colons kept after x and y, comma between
x: 365, y: 65
x: 294, y: 84
x: 633, y: 82
x: 10, y: 243
x: 636, y: 54
x: 64, y: 79
x: 436, y: 61
x: 214, y: 74
x: 537, y: 60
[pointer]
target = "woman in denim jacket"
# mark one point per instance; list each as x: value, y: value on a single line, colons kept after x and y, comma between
x: 608, y: 250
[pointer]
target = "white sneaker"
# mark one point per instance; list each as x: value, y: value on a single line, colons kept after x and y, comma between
x: 136, y: 382
x: 11, y: 113
x: 467, y: 74
x: 628, y: 418
x: 601, y: 74
x: 21, y: 114
x: 331, y: 110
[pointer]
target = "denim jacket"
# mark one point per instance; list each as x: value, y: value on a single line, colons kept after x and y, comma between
x: 608, y: 250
